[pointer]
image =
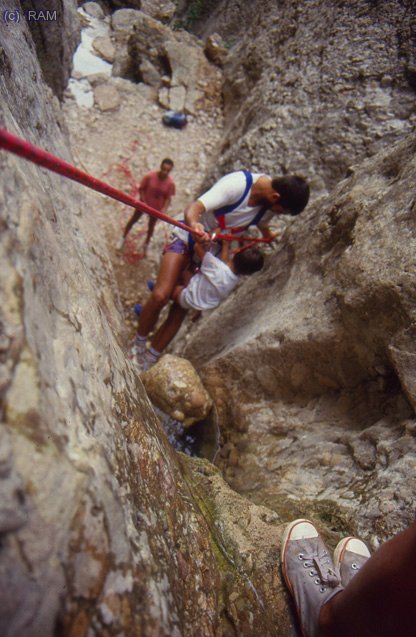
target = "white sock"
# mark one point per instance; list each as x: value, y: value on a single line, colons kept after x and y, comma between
x: 152, y: 354
x: 140, y: 343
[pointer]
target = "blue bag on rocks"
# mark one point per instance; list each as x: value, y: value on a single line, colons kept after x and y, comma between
x: 174, y: 119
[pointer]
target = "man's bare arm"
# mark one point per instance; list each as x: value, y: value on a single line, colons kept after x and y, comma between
x: 193, y: 216
x: 200, y: 250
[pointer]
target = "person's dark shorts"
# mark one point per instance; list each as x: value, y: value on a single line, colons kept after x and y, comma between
x: 177, y: 246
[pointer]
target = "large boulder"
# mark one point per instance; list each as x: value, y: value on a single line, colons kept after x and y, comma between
x: 162, y: 10
x: 104, y: 47
x: 174, y: 386
x: 106, y: 97
x: 215, y: 50
x: 94, y: 10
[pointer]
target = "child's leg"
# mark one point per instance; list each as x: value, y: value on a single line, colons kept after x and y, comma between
x: 176, y: 293
x: 169, y: 328
x: 171, y: 266
x: 380, y: 600
x: 186, y: 276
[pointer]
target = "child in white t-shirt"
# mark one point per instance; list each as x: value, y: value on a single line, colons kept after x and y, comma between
x: 217, y: 277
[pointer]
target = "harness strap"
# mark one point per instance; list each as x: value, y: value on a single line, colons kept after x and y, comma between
x: 220, y: 212
x: 259, y: 216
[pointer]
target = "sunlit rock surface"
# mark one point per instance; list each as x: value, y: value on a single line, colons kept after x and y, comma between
x: 47, y: 24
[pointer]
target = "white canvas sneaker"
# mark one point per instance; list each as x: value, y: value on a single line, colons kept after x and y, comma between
x: 309, y: 573
x: 349, y: 556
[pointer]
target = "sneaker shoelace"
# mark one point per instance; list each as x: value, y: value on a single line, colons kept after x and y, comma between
x: 320, y: 568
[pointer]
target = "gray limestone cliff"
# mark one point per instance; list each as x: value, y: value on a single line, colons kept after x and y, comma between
x: 104, y: 529
x: 55, y: 29
x: 313, y: 87
x: 312, y: 361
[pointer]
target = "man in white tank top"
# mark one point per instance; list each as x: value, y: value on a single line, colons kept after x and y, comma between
x: 234, y: 203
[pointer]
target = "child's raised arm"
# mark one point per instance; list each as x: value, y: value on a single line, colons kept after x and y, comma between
x: 225, y: 252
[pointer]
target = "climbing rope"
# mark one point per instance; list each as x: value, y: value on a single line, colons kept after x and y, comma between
x: 38, y: 156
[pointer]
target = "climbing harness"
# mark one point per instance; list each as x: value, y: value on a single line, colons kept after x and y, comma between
x: 38, y: 156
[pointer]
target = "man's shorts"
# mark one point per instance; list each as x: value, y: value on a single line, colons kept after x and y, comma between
x: 177, y: 246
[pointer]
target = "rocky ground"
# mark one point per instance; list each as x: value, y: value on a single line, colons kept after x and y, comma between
x: 133, y: 137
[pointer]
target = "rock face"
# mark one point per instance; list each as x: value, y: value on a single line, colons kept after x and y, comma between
x: 148, y: 51
x: 315, y: 380
x: 174, y: 386
x: 103, y: 530
x: 55, y: 39
x: 300, y: 98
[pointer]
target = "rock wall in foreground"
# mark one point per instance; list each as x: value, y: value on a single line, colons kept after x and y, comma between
x: 312, y: 362
x: 103, y: 530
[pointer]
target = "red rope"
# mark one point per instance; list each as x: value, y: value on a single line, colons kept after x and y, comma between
x: 231, y: 237
x: 38, y: 156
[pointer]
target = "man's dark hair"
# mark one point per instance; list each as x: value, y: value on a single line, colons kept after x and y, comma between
x: 167, y: 161
x: 293, y: 191
x: 248, y: 261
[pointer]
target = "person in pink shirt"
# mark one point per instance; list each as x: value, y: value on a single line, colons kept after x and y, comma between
x: 156, y: 190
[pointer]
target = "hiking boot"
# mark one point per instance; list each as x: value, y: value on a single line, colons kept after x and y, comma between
x: 150, y: 285
x: 308, y: 572
x: 349, y: 556
x: 137, y: 309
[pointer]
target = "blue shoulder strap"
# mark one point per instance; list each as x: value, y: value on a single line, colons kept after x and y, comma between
x: 233, y: 206
x: 258, y: 216
x: 191, y: 243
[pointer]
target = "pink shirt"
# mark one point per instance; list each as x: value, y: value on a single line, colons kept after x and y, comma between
x: 155, y: 191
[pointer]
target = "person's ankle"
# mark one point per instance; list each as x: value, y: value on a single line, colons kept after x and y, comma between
x: 140, y: 343
x: 326, y: 619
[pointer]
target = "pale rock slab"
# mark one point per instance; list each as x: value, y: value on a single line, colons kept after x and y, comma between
x: 106, y: 97
x: 105, y: 48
